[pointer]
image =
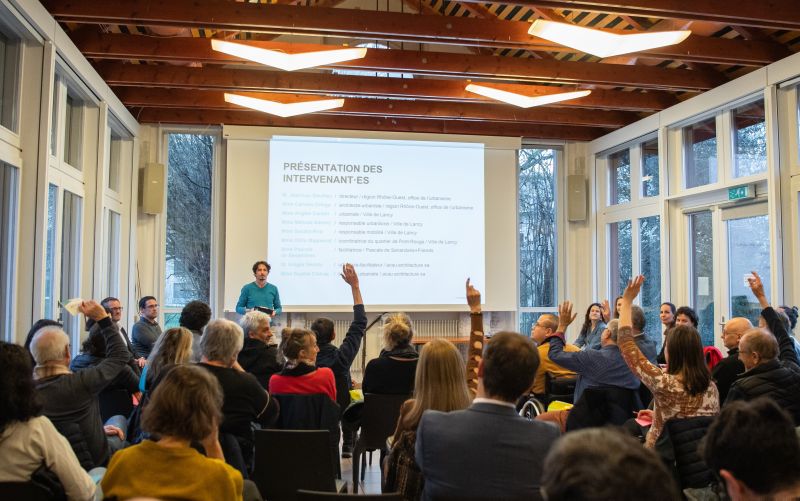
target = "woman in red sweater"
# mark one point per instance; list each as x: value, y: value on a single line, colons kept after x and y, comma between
x: 300, y: 375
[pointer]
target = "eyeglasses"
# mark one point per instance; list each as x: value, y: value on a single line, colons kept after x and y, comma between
x: 119, y: 308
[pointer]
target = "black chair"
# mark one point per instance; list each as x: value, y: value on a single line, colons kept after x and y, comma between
x: 560, y: 387
x: 378, y: 422
x: 678, y: 448
x: 233, y: 453
x: 303, y: 495
x: 288, y: 460
x: 602, y: 406
x: 27, y: 491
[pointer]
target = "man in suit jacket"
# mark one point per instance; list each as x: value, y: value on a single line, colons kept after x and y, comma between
x: 113, y: 307
x: 488, y: 451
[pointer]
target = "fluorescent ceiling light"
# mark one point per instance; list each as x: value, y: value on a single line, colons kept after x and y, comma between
x: 288, y: 62
x: 524, y: 101
x: 603, y: 43
x: 283, y: 109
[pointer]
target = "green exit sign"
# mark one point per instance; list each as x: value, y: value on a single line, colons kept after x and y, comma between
x: 742, y: 192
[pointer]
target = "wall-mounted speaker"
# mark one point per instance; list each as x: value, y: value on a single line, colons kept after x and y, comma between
x: 153, y: 179
x: 576, y: 198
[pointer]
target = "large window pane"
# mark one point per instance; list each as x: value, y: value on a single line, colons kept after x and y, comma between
x: 189, y: 175
x: 702, y: 263
x: 750, y: 140
x: 619, y: 174
x: 54, y: 120
x: 700, y: 153
x: 71, y: 212
x: 73, y: 130
x: 114, y: 163
x: 537, y: 227
x: 50, y: 253
x: 748, y: 250
x: 9, y: 76
x: 621, y: 256
x: 650, y: 181
x: 9, y: 211
x: 114, y: 223
x: 650, y: 266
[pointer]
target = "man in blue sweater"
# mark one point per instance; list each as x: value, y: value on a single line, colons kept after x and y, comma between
x: 259, y: 293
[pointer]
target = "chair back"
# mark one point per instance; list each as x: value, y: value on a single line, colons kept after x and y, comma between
x: 288, y: 460
x: 303, y: 495
x: 685, y: 435
x: 28, y: 491
x: 379, y: 419
x: 605, y: 405
x: 311, y: 412
x: 233, y: 453
x: 560, y: 387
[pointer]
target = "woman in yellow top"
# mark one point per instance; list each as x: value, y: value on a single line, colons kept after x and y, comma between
x: 185, y: 407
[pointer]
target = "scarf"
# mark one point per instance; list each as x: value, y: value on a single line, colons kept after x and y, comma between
x: 48, y: 371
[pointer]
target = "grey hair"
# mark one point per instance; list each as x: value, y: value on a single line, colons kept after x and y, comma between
x: 253, y: 320
x: 613, y: 328
x: 52, y: 348
x: 222, y: 340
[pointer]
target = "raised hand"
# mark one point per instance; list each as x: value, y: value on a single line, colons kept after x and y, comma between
x: 93, y: 310
x: 565, y: 316
x: 606, y: 311
x: 633, y: 288
x: 757, y: 286
x: 349, y: 275
x: 473, y: 298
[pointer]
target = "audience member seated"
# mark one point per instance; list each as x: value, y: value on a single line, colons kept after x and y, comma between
x: 647, y: 345
x: 686, y: 315
x: 393, y: 371
x: 259, y: 356
x: 596, y: 368
x: 791, y: 314
x: 729, y: 368
x: 460, y: 452
x: 667, y: 316
x: 195, y: 316
x: 184, y: 408
x: 599, y: 464
x: 93, y: 351
x: 769, y: 360
x: 146, y: 331
x: 607, y: 313
x: 685, y: 389
x: 70, y: 399
x: 28, y: 440
x: 245, y: 401
x: 339, y: 359
x: 753, y: 448
x: 592, y: 329
x: 440, y: 385
x: 545, y: 326
x: 36, y: 327
x: 113, y: 307
x: 300, y: 375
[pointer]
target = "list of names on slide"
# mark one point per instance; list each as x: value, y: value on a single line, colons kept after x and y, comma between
x: 409, y: 217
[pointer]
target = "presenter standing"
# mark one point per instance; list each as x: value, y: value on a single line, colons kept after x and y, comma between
x: 259, y: 293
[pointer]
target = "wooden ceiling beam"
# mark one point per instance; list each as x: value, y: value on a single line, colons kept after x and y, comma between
x: 118, y: 46
x: 315, y: 121
x: 236, y: 79
x: 178, y: 98
x: 395, y: 26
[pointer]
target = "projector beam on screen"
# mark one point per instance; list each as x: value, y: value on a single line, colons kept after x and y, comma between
x: 408, y: 214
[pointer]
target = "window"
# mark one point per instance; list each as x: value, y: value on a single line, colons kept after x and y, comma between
x: 73, y: 124
x: 650, y: 267
x: 190, y: 170
x: 71, y: 218
x: 621, y: 256
x: 50, y: 253
x: 538, y: 235
x: 702, y: 272
x: 700, y: 153
x: 748, y: 250
x: 9, y: 76
x: 619, y: 171
x: 650, y: 181
x: 112, y: 264
x: 9, y: 178
x: 54, y: 120
x: 114, y: 163
x: 750, y: 140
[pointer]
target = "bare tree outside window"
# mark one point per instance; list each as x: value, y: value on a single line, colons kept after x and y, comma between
x: 189, y: 176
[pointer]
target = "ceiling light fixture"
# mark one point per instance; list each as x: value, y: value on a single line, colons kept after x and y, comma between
x: 283, y: 109
x: 287, y: 62
x: 524, y: 101
x: 603, y: 43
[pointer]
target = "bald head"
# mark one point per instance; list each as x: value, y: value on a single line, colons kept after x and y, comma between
x: 756, y: 347
x: 734, y: 330
x: 50, y: 345
x: 546, y: 324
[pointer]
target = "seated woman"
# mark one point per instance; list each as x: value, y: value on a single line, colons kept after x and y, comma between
x: 300, y: 375
x: 592, y: 329
x: 667, y: 316
x: 184, y: 408
x: 441, y: 385
x: 29, y: 440
x: 685, y: 389
x: 393, y: 371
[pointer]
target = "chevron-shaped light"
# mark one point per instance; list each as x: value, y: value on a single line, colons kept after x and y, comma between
x: 283, y: 109
x: 287, y: 62
x: 524, y: 101
x: 603, y: 43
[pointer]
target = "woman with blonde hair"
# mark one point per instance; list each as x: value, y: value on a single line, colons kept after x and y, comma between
x: 440, y: 385
x: 173, y: 347
x: 392, y: 373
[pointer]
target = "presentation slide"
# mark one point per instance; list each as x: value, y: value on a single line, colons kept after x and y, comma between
x: 409, y: 215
